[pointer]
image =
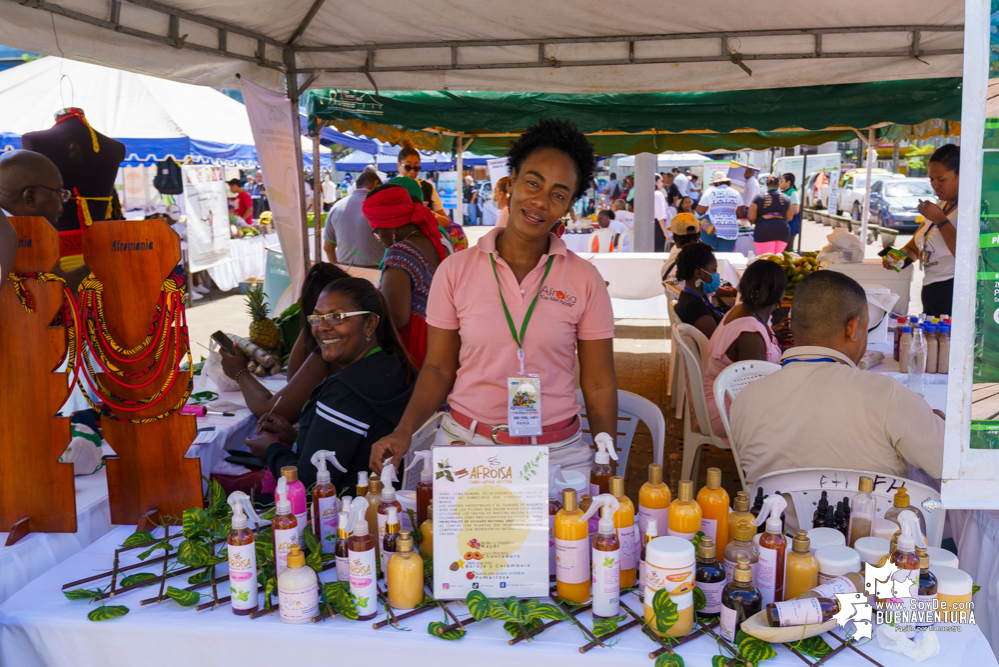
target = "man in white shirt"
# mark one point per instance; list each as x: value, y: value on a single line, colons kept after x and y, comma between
x: 752, y: 189
x: 833, y: 415
x: 681, y: 182
x: 329, y: 192
x: 723, y: 206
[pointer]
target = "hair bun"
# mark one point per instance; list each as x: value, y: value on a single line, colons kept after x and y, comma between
x: 408, y: 143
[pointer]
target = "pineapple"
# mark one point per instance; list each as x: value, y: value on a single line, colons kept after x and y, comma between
x: 263, y: 332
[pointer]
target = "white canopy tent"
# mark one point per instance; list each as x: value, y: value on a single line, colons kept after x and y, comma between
x: 668, y: 159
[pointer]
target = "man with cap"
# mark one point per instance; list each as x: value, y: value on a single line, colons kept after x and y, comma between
x: 686, y: 229
x: 240, y: 201
x: 723, y: 205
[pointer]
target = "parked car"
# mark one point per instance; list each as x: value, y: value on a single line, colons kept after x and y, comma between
x: 893, y: 202
x: 811, y: 192
x: 852, y: 188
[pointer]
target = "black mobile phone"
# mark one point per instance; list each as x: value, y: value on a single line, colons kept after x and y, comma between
x: 224, y: 341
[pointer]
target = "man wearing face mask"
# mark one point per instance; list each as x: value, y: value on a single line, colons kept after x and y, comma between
x: 843, y: 417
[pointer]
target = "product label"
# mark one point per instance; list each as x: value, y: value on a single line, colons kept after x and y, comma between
x: 283, y: 539
x: 765, y: 575
x: 551, y: 545
x: 834, y: 587
x: 676, y: 533
x: 728, y: 624
x: 382, y: 520
x: 303, y: 519
x: 799, y: 612
x: 363, y: 582
x: 629, y: 548
x: 710, y: 528
x: 676, y: 580
x: 383, y: 558
x: 243, y: 576
x: 342, y: 568
x: 298, y: 605
x: 329, y: 518
x: 660, y: 515
x: 712, y: 596
x: 606, y: 583
x: 572, y: 561
x: 594, y: 490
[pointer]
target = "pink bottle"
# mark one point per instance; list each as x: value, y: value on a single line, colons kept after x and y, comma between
x: 296, y: 495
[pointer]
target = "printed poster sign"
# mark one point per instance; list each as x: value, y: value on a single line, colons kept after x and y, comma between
x: 447, y: 188
x: 207, y: 216
x: 498, y: 168
x: 832, y: 205
x: 491, y: 521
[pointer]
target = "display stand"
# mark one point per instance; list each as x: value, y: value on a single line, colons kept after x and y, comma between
x: 149, y: 480
x: 37, y: 493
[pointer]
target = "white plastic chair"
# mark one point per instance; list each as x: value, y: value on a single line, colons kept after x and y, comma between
x: 631, y: 409
x: 422, y: 440
x: 727, y: 385
x: 805, y: 486
x: 626, y: 241
x: 694, y: 346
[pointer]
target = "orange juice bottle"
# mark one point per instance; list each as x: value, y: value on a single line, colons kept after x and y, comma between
x: 684, y: 514
x: 572, y: 551
x: 653, y: 499
x: 624, y: 523
x: 713, y: 500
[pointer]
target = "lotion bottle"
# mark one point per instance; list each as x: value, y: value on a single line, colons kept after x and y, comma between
x: 684, y: 514
x: 900, y: 503
x: 325, y: 505
x: 602, y: 469
x: 606, y: 559
x: 740, y: 600
x: 298, y: 589
x: 425, y: 487
x: 710, y: 577
x: 653, y: 499
x: 363, y: 574
x: 572, y: 551
x: 242, y: 556
x: 427, y: 533
x: 342, y: 554
x: 390, y: 538
x: 624, y: 523
x: 296, y: 495
x: 404, y: 575
x: 714, y: 500
x: 362, y: 484
x: 862, y: 514
x: 284, y: 525
x: 769, y: 575
x: 801, y: 573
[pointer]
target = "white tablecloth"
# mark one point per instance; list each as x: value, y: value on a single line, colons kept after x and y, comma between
x: 37, y: 552
x: 578, y: 242
x: 38, y: 626
x: 977, y: 535
x: 247, y: 258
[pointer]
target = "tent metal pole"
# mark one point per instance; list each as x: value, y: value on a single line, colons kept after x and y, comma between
x: 459, y: 208
x: 872, y: 155
x: 317, y: 199
x: 801, y: 195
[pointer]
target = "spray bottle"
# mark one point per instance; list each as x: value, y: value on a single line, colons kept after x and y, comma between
x: 296, y: 496
x: 769, y: 573
x: 325, y: 510
x: 425, y: 488
x: 363, y: 573
x: 606, y: 559
x: 388, y: 500
x: 284, y: 525
x: 905, y: 557
x: 602, y: 469
x: 242, y: 555
x: 572, y: 551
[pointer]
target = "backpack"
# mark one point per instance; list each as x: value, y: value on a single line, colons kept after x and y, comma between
x: 168, y: 179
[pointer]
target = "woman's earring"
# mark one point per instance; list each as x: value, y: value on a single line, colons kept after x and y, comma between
x: 367, y: 339
x: 698, y: 282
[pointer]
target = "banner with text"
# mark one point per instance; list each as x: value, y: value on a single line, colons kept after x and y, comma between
x: 207, y: 216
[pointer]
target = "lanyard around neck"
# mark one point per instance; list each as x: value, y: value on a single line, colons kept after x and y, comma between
x: 705, y: 300
x: 519, y: 340
x: 810, y: 361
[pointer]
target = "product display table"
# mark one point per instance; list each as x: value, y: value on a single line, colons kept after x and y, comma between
x: 247, y: 258
x: 38, y: 626
x: 578, y: 243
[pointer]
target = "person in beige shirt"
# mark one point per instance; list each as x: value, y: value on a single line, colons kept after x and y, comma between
x: 820, y: 411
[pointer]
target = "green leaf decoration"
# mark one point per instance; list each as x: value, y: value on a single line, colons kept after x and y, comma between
x: 193, y: 554
x: 672, y: 660
x: 699, y: 599
x: 479, y: 606
x: 719, y: 661
x: 216, y: 495
x: 545, y: 611
x: 514, y: 606
x: 428, y: 569
x: 975, y: 588
x: 138, y: 537
x: 753, y: 649
x: 605, y: 626
x: 270, y: 587
x: 813, y: 647
x: 200, y: 576
x: 501, y: 612
x: 264, y: 546
x: 138, y: 579
x: 269, y: 514
x: 103, y: 612
x: 83, y: 594
x: 337, y: 593
x: 666, y: 614
x: 314, y: 559
x: 436, y: 628
x: 311, y: 542
x: 194, y: 522
x: 697, y: 539
x: 183, y: 598
x: 514, y: 628
x: 417, y: 537
x: 162, y: 544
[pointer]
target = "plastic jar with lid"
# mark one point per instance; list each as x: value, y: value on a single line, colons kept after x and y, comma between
x: 670, y: 564
x: 942, y: 557
x: 825, y: 537
x: 883, y: 528
x: 953, y: 593
x: 872, y: 549
x: 836, y: 561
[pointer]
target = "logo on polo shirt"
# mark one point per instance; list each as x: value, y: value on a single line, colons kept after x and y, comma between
x: 558, y: 296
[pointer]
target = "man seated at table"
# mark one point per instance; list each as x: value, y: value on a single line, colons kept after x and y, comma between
x: 819, y: 410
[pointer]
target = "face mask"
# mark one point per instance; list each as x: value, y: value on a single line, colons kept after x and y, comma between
x: 712, y: 287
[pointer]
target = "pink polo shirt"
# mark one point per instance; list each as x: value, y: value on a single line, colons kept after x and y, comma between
x: 573, y: 305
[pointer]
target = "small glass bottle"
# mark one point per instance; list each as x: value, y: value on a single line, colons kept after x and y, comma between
x: 741, y: 546
x: 739, y: 513
x: 839, y: 520
x: 390, y: 538
x: 846, y: 511
x: 740, y: 600
x: 862, y: 516
x: 801, y: 570
x: 807, y: 611
x: 819, y: 516
x: 710, y: 577
x: 342, y: 555
x: 927, y: 581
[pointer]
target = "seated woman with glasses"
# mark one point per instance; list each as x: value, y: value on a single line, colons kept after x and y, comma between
x: 359, y: 404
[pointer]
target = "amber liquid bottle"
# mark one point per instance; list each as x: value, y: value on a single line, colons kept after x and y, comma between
x: 239, y: 537
x: 740, y: 600
x: 710, y: 577
x: 770, y: 566
x: 324, y: 509
x: 424, y: 496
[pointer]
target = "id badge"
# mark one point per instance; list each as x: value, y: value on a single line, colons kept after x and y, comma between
x: 523, y: 404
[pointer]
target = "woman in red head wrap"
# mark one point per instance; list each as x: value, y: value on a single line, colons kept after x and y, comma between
x: 409, y: 230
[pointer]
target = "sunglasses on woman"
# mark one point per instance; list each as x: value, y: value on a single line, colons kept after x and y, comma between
x: 335, y: 318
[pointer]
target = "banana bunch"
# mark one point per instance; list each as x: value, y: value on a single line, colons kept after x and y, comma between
x: 795, y: 266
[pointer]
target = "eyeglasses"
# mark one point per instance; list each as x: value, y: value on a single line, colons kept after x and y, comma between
x: 410, y: 167
x: 66, y: 194
x: 335, y: 318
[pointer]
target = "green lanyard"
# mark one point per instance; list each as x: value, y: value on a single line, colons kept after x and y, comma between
x: 375, y: 350
x: 519, y: 340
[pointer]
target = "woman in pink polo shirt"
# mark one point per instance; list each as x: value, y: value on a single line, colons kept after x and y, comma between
x: 515, y: 311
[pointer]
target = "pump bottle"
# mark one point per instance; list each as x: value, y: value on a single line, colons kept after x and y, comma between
x: 713, y: 500
x: 602, y: 469
x: 390, y: 538
x: 769, y: 575
x: 624, y: 523
x: 242, y: 555
x: 296, y: 495
x: 606, y: 559
x: 284, y: 525
x: 862, y: 514
x: 404, y: 575
x: 710, y: 577
x: 684, y: 513
x: 651, y: 533
x: 653, y: 499
x: 740, y: 546
x: 363, y: 575
x: 374, y: 498
x: 325, y: 510
x: 427, y: 533
x: 342, y: 554
x: 900, y: 503
x: 425, y: 487
x: 362, y: 484
x: 740, y: 600
x: 801, y: 574
x: 298, y: 589
x: 572, y: 551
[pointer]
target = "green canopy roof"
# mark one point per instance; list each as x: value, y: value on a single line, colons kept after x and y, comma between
x: 642, y: 122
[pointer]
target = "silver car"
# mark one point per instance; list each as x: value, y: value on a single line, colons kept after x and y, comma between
x: 894, y: 202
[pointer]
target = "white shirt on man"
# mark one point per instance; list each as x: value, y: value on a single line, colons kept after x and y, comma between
x: 682, y: 184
